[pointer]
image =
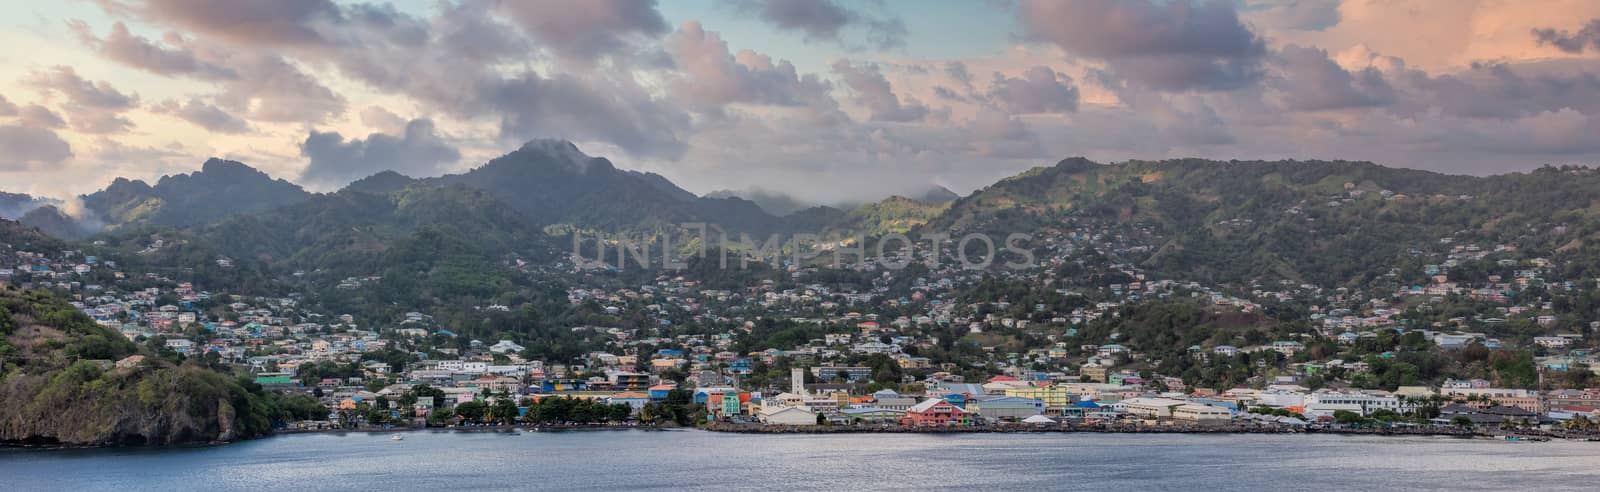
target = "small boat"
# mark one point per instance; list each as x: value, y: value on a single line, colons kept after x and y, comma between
x: 396, y: 437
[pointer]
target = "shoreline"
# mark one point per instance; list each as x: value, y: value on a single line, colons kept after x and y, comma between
x: 1538, y: 436
x: 722, y: 427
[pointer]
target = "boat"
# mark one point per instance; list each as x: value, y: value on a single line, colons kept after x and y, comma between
x: 396, y: 437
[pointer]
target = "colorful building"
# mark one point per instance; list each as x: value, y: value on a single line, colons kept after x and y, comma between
x: 937, y: 412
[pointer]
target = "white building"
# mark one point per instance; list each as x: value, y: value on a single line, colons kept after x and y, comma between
x: 1203, y: 414
x: 1320, y: 404
x: 1152, y: 408
x: 787, y: 416
x: 505, y: 346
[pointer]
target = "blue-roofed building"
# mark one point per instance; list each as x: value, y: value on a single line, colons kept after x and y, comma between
x: 957, y: 399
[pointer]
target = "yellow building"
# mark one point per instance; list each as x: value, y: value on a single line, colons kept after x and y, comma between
x: 1093, y: 372
x: 1055, y: 398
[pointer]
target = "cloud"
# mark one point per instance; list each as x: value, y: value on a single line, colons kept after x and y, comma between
x: 1506, y: 91
x: 420, y: 151
x: 1303, y: 15
x: 958, y: 71
x: 1039, y: 90
x: 613, y: 110
x: 100, y: 122
x: 874, y: 92
x: 22, y: 147
x: 245, y: 22
x: 272, y: 88
x: 203, y: 115
x: 91, y: 107
x: 1587, y: 38
x: 714, y: 77
x: 1172, y: 46
x: 134, y: 51
x: 826, y: 19
x: 7, y: 108
x: 64, y: 80
x: 34, y: 115
x: 112, y: 151
x: 997, y: 134
x: 1311, y: 81
x: 588, y: 30
x: 1561, y: 132
x: 383, y: 120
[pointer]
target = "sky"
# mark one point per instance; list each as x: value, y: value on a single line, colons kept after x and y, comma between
x: 827, y: 100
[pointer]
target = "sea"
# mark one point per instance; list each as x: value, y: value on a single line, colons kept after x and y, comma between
x: 700, y: 460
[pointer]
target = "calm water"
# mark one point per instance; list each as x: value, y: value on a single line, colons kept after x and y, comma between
x: 700, y: 460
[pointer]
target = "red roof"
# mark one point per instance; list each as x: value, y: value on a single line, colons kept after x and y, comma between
x: 1002, y: 377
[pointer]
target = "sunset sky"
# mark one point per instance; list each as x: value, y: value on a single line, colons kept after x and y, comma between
x: 826, y: 100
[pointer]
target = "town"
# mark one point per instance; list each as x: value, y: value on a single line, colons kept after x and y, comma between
x: 1071, y: 342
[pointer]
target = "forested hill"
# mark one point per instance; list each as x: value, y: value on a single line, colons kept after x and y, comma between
x: 1324, y: 222
x: 1329, y: 223
x: 61, y: 385
x: 218, y: 190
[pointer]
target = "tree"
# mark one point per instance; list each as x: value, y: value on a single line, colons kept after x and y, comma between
x: 503, y: 411
x: 1461, y: 421
x: 620, y: 412
x: 1348, y: 417
x: 471, y: 411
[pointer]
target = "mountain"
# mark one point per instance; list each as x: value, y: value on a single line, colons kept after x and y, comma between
x: 54, y: 222
x: 896, y: 214
x: 426, y: 247
x: 382, y: 183
x: 773, y: 202
x: 60, y: 386
x: 937, y: 195
x: 551, y: 182
x: 16, y: 236
x: 14, y: 205
x: 219, y: 189
x: 1330, y: 223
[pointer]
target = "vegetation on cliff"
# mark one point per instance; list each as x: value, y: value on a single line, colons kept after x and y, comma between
x: 61, y: 385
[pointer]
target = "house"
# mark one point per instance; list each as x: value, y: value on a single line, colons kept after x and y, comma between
x: 180, y: 345
x: 1152, y: 408
x: 633, y: 399
x: 1552, y: 342
x: 1055, y: 397
x: 130, y: 362
x: 937, y: 412
x: 505, y: 346
x: 787, y: 416
x: 1093, y: 372
x: 872, y: 415
x: 830, y: 373
x: 1201, y: 414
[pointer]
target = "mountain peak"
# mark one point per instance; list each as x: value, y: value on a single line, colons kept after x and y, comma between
x: 215, y: 165
x: 552, y: 146
x: 383, y: 182
x: 937, y: 195
x: 1076, y: 164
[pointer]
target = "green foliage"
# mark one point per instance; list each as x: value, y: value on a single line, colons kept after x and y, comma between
x: 561, y: 409
x: 65, y: 390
